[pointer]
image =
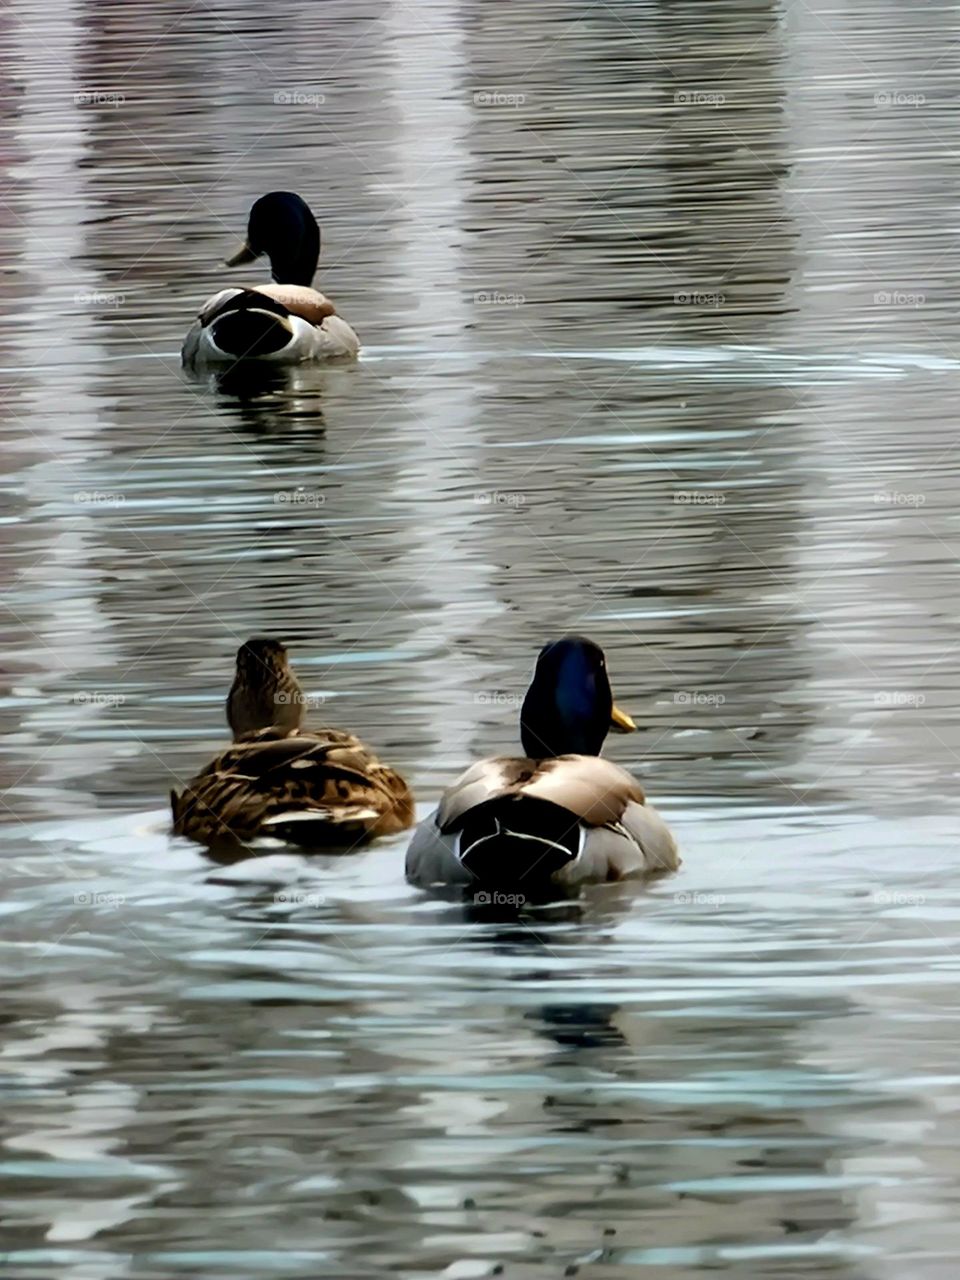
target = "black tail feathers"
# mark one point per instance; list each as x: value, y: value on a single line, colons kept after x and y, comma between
x: 249, y: 332
x: 518, y: 841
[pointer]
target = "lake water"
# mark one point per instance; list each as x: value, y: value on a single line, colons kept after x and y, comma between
x: 661, y: 345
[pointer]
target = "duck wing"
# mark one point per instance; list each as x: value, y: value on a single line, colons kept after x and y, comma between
x: 300, y: 300
x: 594, y: 790
x: 641, y: 844
x: 236, y: 299
x: 318, y: 788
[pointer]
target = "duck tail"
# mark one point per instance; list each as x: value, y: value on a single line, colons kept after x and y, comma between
x: 249, y: 333
x: 518, y: 841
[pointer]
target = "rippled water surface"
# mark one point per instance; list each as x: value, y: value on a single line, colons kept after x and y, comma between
x: 660, y: 315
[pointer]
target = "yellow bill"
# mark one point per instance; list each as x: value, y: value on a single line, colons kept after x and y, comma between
x: 620, y: 721
x: 243, y: 255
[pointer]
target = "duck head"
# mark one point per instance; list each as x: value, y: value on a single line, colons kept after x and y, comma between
x: 282, y: 226
x: 265, y: 692
x: 569, y: 707
x: 260, y: 659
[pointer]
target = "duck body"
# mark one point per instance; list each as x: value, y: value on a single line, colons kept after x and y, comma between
x: 250, y: 324
x: 510, y: 822
x: 319, y: 788
x: 285, y: 321
x: 553, y: 817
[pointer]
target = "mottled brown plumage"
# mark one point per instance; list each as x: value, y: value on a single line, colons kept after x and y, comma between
x: 315, y: 788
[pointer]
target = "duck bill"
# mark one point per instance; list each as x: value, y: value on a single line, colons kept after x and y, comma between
x: 243, y: 255
x: 621, y: 722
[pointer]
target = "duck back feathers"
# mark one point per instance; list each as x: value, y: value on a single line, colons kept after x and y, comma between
x: 322, y: 788
x: 523, y: 823
x: 589, y: 788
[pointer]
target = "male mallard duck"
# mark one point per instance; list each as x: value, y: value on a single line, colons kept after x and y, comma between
x: 558, y: 815
x: 284, y: 322
x: 313, y: 787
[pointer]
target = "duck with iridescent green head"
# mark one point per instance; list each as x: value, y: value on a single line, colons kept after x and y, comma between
x: 560, y: 815
x: 284, y: 322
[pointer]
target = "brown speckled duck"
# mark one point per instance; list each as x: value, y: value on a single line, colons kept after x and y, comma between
x: 559, y: 815
x: 313, y: 787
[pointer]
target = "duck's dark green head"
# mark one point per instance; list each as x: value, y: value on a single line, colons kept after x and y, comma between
x: 569, y: 707
x: 282, y: 226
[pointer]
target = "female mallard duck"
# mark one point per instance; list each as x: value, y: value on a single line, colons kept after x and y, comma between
x: 285, y: 322
x: 558, y: 815
x: 316, y: 787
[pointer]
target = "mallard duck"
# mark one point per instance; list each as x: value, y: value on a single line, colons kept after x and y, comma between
x: 285, y: 322
x: 558, y: 815
x: 316, y: 787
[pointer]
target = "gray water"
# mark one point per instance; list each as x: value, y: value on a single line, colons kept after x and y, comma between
x: 660, y: 317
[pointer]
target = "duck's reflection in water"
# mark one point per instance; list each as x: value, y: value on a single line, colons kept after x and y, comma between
x: 269, y: 401
x: 663, y: 1140
x: 275, y: 400
x: 436, y: 1086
